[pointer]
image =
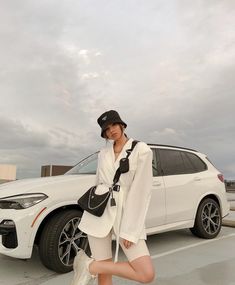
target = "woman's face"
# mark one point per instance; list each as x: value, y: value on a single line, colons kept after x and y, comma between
x: 114, y: 131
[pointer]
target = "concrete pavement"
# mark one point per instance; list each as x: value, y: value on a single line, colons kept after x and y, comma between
x: 182, y: 259
x: 179, y: 259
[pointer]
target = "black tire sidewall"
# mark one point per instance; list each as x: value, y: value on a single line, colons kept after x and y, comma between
x: 198, y: 228
x: 49, y: 241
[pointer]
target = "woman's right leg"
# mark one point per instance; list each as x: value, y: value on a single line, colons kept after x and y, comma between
x: 101, y: 250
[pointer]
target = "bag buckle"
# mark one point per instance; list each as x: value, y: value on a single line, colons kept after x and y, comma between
x: 116, y: 188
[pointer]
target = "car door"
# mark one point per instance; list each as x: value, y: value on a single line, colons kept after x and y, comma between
x: 182, y: 182
x: 156, y: 214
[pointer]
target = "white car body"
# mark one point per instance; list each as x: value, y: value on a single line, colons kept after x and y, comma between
x: 174, y: 203
x: 61, y: 190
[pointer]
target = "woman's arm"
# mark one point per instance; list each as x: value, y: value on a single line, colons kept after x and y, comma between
x: 138, y: 197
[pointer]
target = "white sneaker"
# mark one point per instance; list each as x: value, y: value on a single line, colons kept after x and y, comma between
x: 81, y: 263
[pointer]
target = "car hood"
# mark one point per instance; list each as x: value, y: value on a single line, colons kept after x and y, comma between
x: 47, y: 185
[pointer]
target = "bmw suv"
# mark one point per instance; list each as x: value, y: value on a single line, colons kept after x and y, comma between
x: 188, y: 192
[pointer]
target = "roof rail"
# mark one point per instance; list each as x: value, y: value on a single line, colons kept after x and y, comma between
x: 173, y: 146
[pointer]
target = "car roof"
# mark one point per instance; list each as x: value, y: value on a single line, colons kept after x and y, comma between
x: 171, y: 146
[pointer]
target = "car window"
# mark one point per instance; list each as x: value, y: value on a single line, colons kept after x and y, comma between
x: 171, y: 162
x: 198, y: 164
x: 86, y: 166
x: 180, y: 162
x: 155, y: 163
x: 189, y: 167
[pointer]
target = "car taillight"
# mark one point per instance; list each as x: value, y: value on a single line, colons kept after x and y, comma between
x: 221, y: 177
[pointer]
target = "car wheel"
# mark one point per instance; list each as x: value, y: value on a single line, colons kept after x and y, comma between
x: 61, y: 240
x: 208, y: 219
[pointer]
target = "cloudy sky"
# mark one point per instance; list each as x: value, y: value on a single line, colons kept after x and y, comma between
x: 168, y: 67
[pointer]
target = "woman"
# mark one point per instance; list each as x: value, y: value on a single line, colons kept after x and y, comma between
x: 126, y: 219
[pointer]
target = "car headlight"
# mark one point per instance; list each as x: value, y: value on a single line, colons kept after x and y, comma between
x: 22, y: 201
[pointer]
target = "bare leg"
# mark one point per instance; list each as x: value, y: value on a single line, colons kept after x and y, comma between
x: 140, y: 270
x: 105, y: 279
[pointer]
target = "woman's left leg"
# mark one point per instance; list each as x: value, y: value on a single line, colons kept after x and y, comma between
x: 140, y: 269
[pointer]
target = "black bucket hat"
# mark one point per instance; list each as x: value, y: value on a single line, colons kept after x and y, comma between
x: 109, y: 117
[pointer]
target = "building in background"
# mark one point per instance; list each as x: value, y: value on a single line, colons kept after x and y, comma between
x: 230, y: 185
x: 53, y: 170
x: 7, y: 172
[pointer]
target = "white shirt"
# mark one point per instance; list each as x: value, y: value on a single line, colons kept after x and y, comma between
x: 128, y: 216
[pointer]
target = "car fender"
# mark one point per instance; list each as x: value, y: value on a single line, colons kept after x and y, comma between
x: 203, y: 196
x: 44, y: 214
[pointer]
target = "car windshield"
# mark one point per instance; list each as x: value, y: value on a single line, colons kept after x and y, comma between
x: 86, y: 166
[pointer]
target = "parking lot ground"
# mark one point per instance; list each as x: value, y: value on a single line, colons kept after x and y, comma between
x: 199, y: 262
x: 178, y: 256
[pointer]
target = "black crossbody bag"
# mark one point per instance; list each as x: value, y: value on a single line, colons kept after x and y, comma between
x: 94, y: 203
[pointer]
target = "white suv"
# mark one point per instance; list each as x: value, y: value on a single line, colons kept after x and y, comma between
x: 188, y: 192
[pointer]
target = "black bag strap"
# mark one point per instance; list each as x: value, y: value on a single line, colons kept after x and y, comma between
x: 118, y: 172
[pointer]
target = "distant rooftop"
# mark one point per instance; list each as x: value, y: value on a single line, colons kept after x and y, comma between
x: 230, y: 185
x: 7, y: 172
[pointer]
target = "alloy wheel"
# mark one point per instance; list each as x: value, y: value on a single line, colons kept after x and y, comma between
x: 71, y: 241
x: 211, y: 218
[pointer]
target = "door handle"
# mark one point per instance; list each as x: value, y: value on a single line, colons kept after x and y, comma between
x: 157, y: 183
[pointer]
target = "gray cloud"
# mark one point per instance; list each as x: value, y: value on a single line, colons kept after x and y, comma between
x: 168, y: 67
x: 30, y: 146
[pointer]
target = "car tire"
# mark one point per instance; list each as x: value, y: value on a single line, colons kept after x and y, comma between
x: 61, y: 240
x: 208, y: 219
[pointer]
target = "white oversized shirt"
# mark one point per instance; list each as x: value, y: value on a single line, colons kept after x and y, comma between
x: 127, y: 218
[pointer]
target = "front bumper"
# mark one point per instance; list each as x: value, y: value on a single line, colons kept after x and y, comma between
x: 9, y: 235
x: 16, y: 231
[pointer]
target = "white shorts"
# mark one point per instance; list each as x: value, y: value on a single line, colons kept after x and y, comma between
x: 101, y: 248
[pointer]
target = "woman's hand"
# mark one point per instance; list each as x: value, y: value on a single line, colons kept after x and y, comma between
x: 127, y: 243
